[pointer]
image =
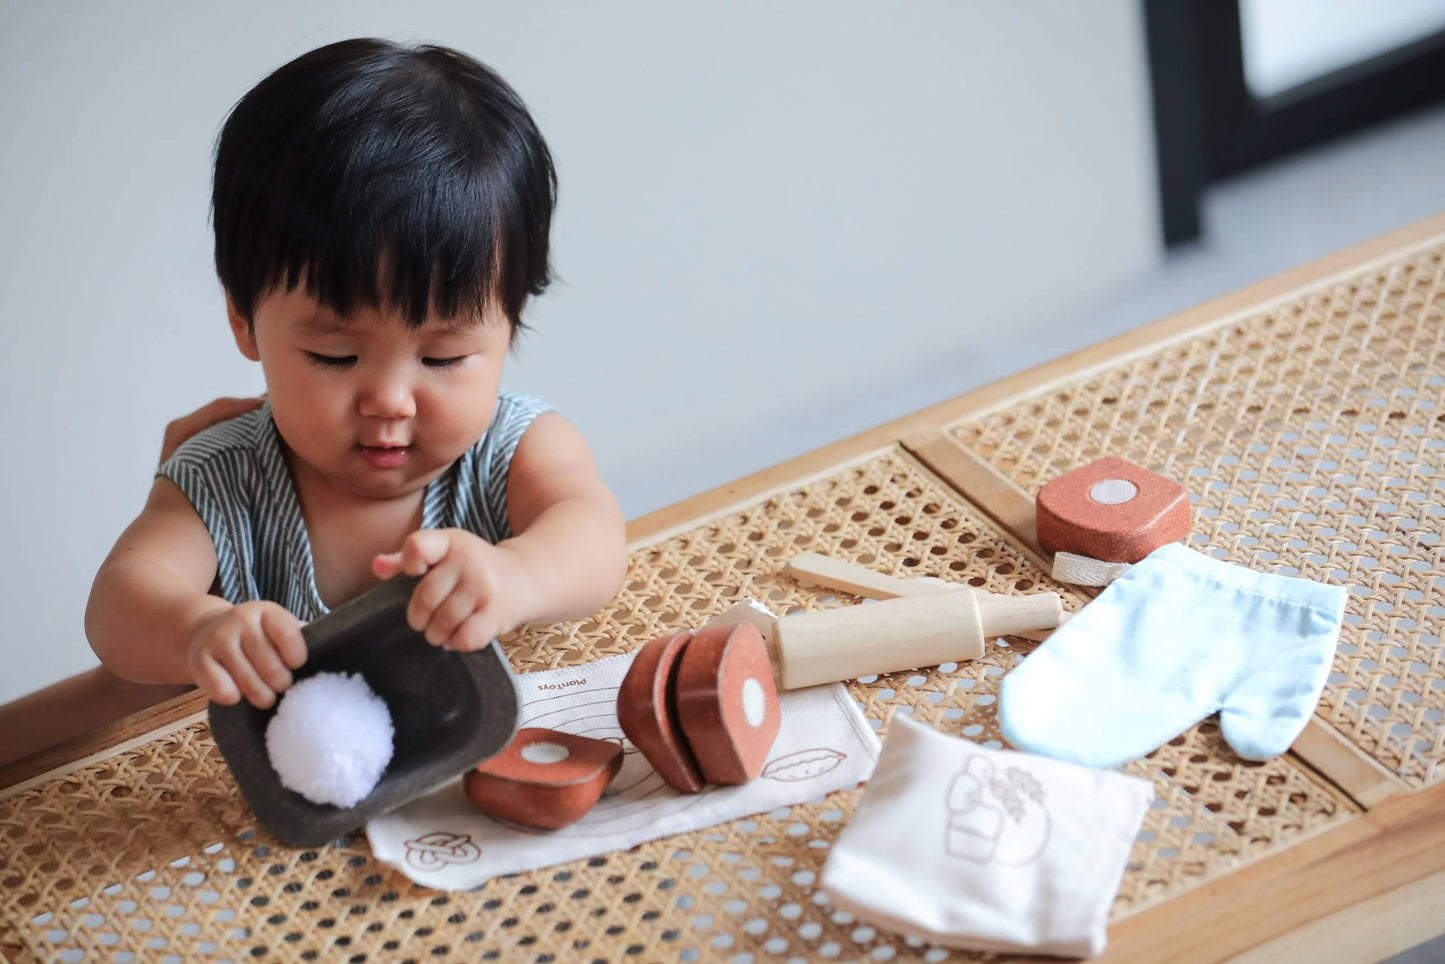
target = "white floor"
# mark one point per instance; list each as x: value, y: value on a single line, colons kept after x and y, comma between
x: 1277, y: 217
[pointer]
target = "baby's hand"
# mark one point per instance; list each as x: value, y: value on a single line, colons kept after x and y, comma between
x: 248, y: 650
x: 471, y: 592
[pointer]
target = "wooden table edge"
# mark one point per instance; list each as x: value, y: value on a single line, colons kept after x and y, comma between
x: 1390, y: 847
x: 139, y: 727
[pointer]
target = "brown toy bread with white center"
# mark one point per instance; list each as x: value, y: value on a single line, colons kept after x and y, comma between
x: 727, y: 703
x: 544, y: 778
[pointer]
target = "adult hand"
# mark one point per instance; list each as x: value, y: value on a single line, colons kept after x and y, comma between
x: 204, y: 417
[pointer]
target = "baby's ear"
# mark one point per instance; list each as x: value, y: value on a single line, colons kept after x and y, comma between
x: 241, y: 330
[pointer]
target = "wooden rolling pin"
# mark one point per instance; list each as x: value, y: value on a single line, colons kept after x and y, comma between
x: 901, y: 633
x: 846, y: 643
x: 825, y: 572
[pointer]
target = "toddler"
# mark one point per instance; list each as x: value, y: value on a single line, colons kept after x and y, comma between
x: 381, y: 216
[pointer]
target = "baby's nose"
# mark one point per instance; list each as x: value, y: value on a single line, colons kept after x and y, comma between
x: 388, y: 399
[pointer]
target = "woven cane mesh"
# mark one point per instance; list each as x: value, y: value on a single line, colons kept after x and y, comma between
x: 151, y: 855
x: 1312, y: 439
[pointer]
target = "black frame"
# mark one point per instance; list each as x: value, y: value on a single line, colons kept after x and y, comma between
x: 1209, y: 126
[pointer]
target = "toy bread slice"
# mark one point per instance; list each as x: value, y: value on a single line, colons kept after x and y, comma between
x: 727, y: 702
x: 544, y: 778
x: 647, y: 712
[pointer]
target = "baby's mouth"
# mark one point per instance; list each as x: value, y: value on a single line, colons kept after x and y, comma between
x: 385, y: 456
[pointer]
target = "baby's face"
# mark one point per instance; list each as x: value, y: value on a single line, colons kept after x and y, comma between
x: 375, y: 407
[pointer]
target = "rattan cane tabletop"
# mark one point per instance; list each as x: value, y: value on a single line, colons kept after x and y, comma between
x: 1305, y: 415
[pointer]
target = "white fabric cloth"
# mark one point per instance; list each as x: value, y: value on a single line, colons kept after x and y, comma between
x: 984, y: 849
x: 441, y: 840
x: 1079, y: 570
x: 1176, y: 638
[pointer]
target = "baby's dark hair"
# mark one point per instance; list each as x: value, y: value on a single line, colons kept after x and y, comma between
x: 382, y: 175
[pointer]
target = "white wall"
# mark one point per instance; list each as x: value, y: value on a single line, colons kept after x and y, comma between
x: 779, y: 223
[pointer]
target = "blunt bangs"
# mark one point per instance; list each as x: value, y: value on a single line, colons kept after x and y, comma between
x: 383, y: 176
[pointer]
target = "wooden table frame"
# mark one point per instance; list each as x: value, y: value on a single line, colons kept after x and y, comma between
x: 1364, y: 890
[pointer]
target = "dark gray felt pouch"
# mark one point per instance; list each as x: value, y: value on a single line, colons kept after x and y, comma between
x: 450, y: 711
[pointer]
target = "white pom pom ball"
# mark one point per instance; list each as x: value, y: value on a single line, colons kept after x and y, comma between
x: 331, y: 738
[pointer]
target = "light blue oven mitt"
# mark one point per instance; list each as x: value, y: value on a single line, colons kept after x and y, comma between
x: 1177, y: 637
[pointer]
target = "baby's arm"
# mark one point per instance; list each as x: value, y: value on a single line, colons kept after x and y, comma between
x: 569, y: 528
x: 151, y: 591
x: 150, y: 618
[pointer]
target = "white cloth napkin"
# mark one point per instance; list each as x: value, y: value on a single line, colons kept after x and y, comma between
x: 984, y: 849
x: 441, y: 840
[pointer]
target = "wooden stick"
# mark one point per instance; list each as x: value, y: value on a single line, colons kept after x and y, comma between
x: 816, y: 569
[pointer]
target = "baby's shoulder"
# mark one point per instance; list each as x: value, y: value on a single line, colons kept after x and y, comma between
x: 484, y: 469
x: 492, y: 453
x: 515, y: 412
x: 241, y: 435
x: 515, y: 407
x: 228, y: 456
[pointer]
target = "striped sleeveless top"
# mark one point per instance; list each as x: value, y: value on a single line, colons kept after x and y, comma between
x: 237, y: 480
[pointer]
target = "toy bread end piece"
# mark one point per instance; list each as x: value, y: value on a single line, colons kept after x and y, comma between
x: 1111, y: 510
x: 647, y: 712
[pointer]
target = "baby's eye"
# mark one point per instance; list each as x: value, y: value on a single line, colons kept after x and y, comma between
x: 329, y: 361
x: 443, y: 362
